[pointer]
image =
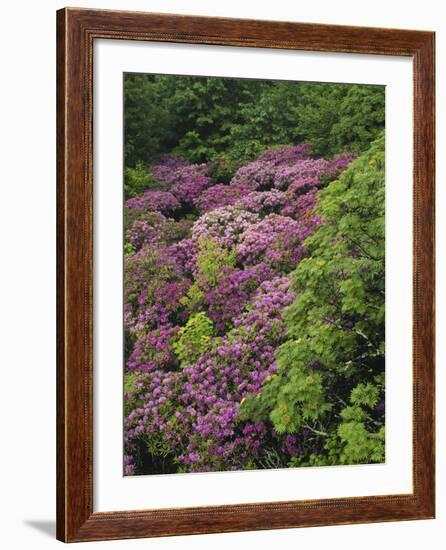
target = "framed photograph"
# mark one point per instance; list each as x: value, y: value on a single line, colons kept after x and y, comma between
x: 245, y: 275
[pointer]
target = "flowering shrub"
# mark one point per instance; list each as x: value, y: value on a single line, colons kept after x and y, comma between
x: 339, y: 163
x: 264, y: 203
x: 262, y: 172
x: 210, y: 259
x: 301, y: 176
x: 175, y: 231
x: 215, y: 385
x: 300, y: 207
x: 285, y: 154
x: 185, y: 181
x: 166, y: 166
x: 153, y: 350
x: 290, y: 167
x: 153, y: 200
x: 142, y: 232
x: 206, y: 294
x: 183, y: 255
x: 200, y: 418
x: 188, y: 183
x: 221, y: 195
x: 224, y: 225
x: 276, y: 240
x: 227, y: 299
x: 153, y: 286
x: 142, y: 227
x: 259, y: 175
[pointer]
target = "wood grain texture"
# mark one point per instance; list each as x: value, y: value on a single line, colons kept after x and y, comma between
x: 76, y: 31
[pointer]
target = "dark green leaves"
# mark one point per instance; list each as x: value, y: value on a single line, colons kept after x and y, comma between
x: 204, y: 119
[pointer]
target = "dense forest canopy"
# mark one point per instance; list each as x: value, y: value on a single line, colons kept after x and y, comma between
x: 230, y: 121
x: 254, y: 274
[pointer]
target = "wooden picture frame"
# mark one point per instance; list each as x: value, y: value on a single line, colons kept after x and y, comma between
x: 76, y: 31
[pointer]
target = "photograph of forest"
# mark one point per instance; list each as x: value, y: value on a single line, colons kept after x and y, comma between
x: 254, y: 274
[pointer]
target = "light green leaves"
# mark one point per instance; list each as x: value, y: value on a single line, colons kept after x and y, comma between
x: 365, y: 394
x: 194, y: 338
x: 211, y: 259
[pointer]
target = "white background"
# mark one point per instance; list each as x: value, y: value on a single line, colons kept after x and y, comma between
x: 112, y: 491
x: 28, y: 271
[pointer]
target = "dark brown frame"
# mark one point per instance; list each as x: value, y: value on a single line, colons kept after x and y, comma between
x: 76, y: 31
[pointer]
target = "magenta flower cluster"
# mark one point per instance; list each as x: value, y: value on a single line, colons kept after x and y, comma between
x: 267, y: 202
x: 145, y: 231
x: 232, y: 294
x: 187, y: 412
x: 222, y: 195
x: 154, y: 200
x: 185, y: 181
x: 276, y: 240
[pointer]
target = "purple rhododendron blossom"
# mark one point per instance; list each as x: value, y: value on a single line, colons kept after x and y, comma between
x: 184, y: 180
x: 221, y: 195
x: 224, y: 225
x: 276, y: 240
x: 154, y: 200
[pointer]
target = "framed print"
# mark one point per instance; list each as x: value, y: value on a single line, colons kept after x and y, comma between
x: 245, y: 275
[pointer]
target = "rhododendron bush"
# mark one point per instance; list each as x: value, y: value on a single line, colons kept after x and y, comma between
x: 253, y: 307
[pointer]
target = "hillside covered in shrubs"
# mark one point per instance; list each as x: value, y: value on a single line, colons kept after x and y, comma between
x: 254, y: 276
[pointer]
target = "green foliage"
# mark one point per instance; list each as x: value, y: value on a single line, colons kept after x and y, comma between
x: 205, y: 109
x: 137, y: 180
x: 194, y: 338
x: 360, y: 445
x: 129, y: 250
x: 365, y: 394
x: 230, y: 121
x: 361, y: 435
x: 211, y: 259
x: 130, y: 391
x: 298, y: 398
x: 147, y: 124
x: 340, y: 117
x: 329, y: 372
x: 271, y: 119
x: 361, y: 119
x: 129, y: 380
x: 223, y: 168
